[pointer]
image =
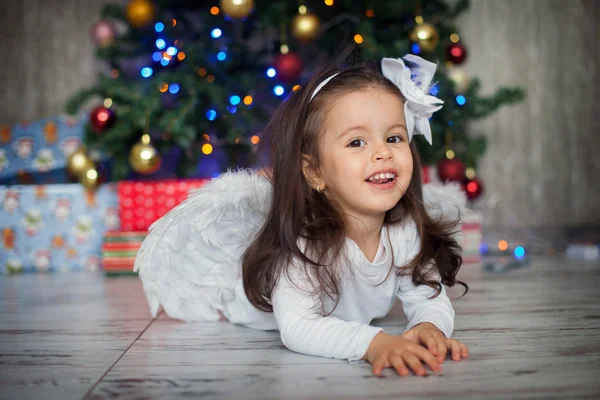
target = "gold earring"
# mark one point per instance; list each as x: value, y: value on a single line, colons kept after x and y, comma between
x: 319, y: 189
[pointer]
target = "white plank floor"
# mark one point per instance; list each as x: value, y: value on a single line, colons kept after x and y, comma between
x: 532, y: 333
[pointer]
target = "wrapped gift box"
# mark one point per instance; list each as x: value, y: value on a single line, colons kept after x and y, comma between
x: 470, y: 236
x: 37, y: 152
x: 119, y: 251
x: 55, y: 227
x: 143, y: 202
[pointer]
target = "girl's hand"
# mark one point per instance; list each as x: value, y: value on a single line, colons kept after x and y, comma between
x: 387, y: 351
x: 431, y: 337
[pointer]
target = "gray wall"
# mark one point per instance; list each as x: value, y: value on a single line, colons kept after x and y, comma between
x: 540, y: 169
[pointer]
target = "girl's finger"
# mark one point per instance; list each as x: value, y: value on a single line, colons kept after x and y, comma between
x: 398, y: 364
x: 378, y: 366
x: 429, y: 358
x: 413, y: 362
x: 432, y: 344
x: 442, y: 349
x: 464, y: 350
x: 455, y: 347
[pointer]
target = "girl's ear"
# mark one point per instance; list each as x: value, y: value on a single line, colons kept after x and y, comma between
x: 311, y: 173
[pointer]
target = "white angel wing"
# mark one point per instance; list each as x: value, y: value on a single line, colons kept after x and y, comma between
x: 189, y: 262
x: 446, y: 200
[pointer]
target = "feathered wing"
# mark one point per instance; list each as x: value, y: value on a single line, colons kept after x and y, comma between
x: 189, y: 262
x: 445, y: 200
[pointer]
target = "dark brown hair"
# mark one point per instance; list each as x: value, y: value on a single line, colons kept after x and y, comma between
x: 299, y: 212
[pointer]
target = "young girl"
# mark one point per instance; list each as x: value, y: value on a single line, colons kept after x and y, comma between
x: 326, y: 239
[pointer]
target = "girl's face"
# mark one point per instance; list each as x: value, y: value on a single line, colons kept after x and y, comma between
x: 366, y: 163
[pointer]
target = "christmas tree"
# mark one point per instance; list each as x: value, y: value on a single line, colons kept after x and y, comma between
x: 199, y: 75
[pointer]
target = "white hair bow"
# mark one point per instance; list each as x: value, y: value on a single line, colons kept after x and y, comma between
x: 419, y: 105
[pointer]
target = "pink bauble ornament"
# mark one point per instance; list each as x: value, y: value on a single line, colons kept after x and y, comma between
x: 103, y: 33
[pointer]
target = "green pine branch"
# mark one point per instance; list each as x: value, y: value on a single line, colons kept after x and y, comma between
x: 180, y: 120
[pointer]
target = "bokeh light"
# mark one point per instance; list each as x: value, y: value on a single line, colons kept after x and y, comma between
x: 146, y: 72
x: 519, y: 252
x: 207, y: 148
x: 278, y: 90
x: 211, y: 115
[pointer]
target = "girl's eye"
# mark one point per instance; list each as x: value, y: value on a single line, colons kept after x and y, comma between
x: 394, y: 139
x: 356, y: 143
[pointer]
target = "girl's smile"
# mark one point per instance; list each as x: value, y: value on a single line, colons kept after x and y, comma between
x: 383, y: 180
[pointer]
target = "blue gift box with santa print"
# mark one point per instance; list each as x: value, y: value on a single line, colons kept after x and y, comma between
x: 55, y: 227
x: 37, y: 152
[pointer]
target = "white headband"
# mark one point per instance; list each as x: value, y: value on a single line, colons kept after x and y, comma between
x: 321, y: 85
x: 419, y: 105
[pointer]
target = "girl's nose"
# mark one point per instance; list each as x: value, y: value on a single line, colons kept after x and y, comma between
x: 382, y: 152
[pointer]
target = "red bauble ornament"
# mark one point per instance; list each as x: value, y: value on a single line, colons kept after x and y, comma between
x: 473, y: 188
x: 456, y: 53
x: 101, y: 119
x: 288, y: 66
x: 451, y: 170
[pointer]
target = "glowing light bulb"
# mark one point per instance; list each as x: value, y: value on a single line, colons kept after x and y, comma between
x: 207, y: 148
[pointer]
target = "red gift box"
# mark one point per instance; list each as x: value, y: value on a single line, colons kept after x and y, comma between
x: 142, y: 203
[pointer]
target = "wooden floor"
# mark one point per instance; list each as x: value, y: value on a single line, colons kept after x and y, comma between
x: 532, y: 332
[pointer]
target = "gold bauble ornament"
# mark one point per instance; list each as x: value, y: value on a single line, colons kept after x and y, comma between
x: 143, y: 157
x: 78, y: 163
x: 237, y: 9
x: 305, y: 27
x: 140, y: 13
x: 426, y: 36
x: 89, y: 177
x: 460, y: 78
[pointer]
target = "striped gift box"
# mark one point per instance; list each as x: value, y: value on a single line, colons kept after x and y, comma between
x: 119, y: 250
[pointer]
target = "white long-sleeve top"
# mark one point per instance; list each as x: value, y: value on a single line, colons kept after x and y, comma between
x: 346, y: 333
